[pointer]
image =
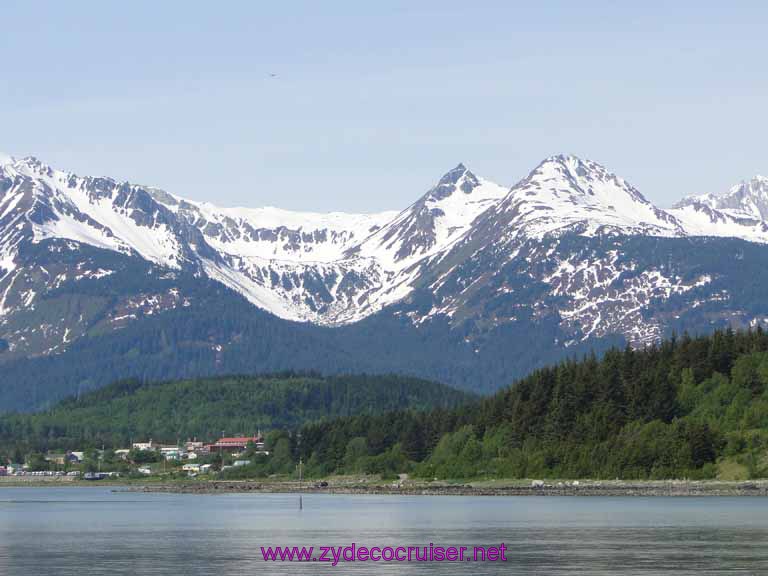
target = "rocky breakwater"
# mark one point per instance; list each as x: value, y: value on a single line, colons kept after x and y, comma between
x: 533, y: 488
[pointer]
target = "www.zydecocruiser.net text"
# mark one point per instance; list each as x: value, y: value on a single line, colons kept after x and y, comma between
x: 353, y: 552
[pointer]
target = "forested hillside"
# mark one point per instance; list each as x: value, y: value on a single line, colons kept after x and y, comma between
x: 204, y: 408
x: 691, y: 407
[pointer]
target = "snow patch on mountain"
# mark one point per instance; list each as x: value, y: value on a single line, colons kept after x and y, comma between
x: 607, y: 295
x: 272, y: 233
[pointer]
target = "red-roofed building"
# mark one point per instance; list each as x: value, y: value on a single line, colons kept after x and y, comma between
x: 236, y: 444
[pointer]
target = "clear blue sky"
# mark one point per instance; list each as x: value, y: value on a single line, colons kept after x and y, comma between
x: 373, y: 101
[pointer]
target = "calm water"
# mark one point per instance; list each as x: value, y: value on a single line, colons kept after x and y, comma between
x: 90, y: 531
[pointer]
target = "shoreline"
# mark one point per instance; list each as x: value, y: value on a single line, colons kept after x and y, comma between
x: 676, y: 488
x: 587, y: 488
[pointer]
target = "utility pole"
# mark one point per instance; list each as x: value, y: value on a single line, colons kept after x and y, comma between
x: 298, y: 446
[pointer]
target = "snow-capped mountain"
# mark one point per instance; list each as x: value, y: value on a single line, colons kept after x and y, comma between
x: 563, y: 248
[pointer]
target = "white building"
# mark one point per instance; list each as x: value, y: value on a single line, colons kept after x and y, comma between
x: 171, y: 452
x: 122, y: 453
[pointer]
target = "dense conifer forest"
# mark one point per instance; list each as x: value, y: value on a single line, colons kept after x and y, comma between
x: 690, y: 407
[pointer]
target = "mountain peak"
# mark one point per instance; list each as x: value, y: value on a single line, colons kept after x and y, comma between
x: 575, y: 164
x: 747, y: 199
x: 458, y: 178
x: 572, y: 168
x: 29, y: 165
x: 571, y: 174
x: 453, y: 175
x: 32, y: 164
x: 757, y: 182
x: 565, y: 192
x: 562, y: 159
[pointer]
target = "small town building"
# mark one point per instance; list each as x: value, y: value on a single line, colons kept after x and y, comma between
x: 193, y: 446
x: 236, y: 444
x: 144, y: 445
x: 56, y: 458
x: 170, y: 452
x: 64, y: 458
